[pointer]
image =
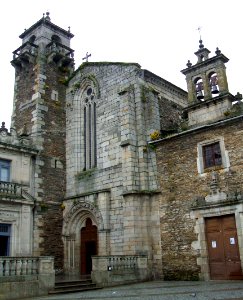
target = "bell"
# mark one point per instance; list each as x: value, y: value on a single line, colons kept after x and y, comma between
x: 200, y: 95
x: 214, y: 89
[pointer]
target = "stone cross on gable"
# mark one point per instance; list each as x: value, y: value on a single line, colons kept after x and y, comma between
x: 86, y: 56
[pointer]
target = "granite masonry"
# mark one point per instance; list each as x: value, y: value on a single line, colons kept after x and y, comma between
x: 131, y: 178
x: 200, y: 174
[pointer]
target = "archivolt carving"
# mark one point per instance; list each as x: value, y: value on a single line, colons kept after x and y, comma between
x: 87, y: 81
x: 79, y: 210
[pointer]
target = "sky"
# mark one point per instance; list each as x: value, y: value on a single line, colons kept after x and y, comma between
x: 160, y: 35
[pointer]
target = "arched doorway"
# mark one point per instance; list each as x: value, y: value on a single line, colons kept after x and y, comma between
x: 89, y: 246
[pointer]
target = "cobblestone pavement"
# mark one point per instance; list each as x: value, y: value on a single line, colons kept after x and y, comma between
x: 165, y: 290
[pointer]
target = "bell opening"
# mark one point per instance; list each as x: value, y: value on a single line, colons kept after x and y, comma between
x: 214, y: 89
x: 200, y: 95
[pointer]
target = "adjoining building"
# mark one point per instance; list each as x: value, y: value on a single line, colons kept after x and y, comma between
x: 17, y: 162
x: 201, y: 177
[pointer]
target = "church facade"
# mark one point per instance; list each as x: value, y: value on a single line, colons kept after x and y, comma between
x: 118, y: 181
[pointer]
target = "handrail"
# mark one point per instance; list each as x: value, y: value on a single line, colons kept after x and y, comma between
x: 10, y: 188
x: 25, y: 265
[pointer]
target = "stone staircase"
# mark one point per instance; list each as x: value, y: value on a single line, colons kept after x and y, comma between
x: 73, y: 286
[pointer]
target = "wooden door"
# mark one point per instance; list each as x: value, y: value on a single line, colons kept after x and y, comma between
x: 88, y: 246
x: 223, y: 249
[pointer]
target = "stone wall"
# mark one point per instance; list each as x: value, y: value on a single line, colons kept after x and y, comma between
x: 127, y: 111
x: 23, y: 105
x: 24, y: 277
x: 181, y: 184
x: 39, y: 112
x: 52, y: 167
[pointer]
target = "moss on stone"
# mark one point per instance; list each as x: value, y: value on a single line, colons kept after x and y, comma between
x: 85, y: 174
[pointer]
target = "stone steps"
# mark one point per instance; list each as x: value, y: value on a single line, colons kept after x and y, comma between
x: 73, y: 286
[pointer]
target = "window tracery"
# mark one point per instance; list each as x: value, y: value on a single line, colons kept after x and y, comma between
x: 89, y: 128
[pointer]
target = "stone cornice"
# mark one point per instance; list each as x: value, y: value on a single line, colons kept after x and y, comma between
x: 153, y: 78
x: 19, y: 148
x: 214, y: 100
x: 198, y: 129
x: 207, y: 62
x: 87, y: 194
x: 142, y: 192
x: 47, y: 23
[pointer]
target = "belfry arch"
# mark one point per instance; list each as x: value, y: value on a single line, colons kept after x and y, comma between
x: 79, y: 218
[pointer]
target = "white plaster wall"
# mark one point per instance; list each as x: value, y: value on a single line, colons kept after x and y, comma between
x: 19, y: 216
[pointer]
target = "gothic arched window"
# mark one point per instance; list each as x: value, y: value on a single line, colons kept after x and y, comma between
x: 89, y: 128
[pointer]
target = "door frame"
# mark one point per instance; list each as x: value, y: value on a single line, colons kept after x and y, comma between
x: 220, y: 256
x: 200, y: 245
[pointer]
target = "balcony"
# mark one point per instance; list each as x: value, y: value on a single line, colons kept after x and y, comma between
x: 10, y: 189
x: 24, y: 54
x: 60, y: 54
x: 13, y: 190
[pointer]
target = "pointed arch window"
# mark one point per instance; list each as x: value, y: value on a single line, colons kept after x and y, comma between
x: 89, y: 128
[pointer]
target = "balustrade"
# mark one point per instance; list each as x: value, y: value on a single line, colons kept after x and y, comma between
x: 123, y: 262
x: 10, y: 188
x: 27, y: 47
x: 58, y: 48
x: 15, y: 266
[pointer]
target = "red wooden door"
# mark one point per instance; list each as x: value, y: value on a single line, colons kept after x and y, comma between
x: 88, y: 246
x: 223, y: 249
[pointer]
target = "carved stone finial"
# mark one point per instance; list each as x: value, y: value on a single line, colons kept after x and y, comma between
x: 217, y: 52
x: 3, y: 130
x: 201, y: 46
x: 214, y: 184
x: 48, y: 16
x: 189, y: 64
x: 238, y: 96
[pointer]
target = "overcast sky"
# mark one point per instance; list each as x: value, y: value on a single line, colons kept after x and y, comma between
x: 160, y: 35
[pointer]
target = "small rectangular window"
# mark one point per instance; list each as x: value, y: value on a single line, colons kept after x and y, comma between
x: 4, y: 170
x: 212, y: 155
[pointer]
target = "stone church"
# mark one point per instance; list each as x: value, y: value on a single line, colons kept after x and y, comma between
x: 116, y: 172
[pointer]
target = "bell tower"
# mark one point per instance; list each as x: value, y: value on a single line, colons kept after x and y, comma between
x: 208, y: 94
x: 42, y: 65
